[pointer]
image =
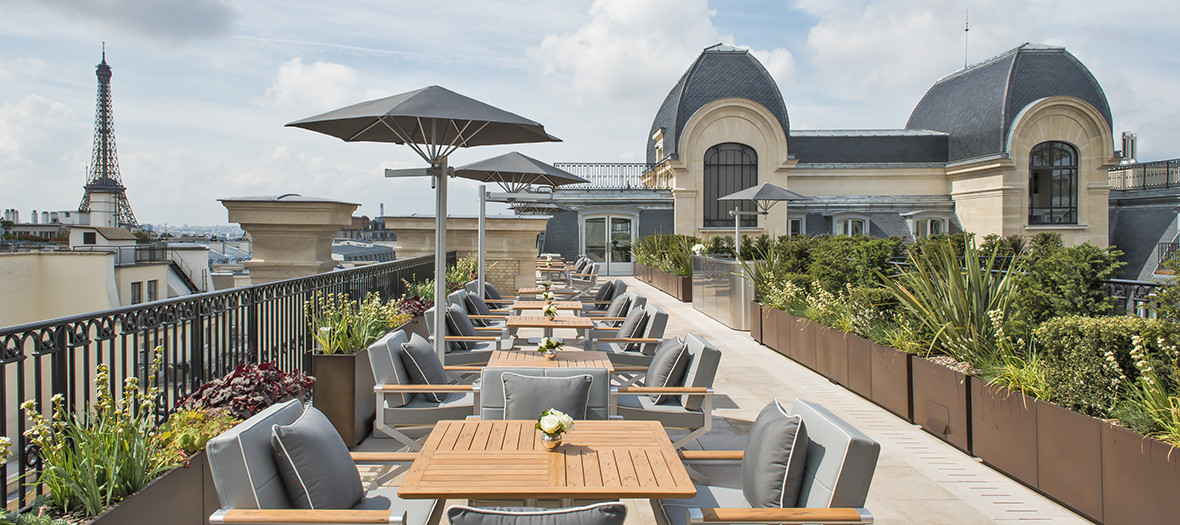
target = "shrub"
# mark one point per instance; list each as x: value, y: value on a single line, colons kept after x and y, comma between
x: 669, y: 253
x: 1155, y: 395
x: 339, y: 325
x: 187, y: 430
x: 1063, y: 281
x: 1088, y: 359
x: 249, y: 389
x: 1167, y: 297
x: 95, y: 459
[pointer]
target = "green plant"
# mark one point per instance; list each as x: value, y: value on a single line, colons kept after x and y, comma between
x: 1155, y: 392
x: 188, y: 430
x: 40, y: 515
x: 1166, y: 303
x: 341, y: 326
x: 952, y: 297
x: 95, y: 459
x: 1062, y: 280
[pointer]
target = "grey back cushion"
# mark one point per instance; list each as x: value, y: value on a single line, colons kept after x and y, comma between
x: 315, y: 465
x: 491, y: 291
x: 653, y: 328
x: 423, y: 366
x: 667, y: 368
x: 477, y: 305
x: 459, y: 324
x: 774, y: 460
x: 634, y: 323
x: 618, y: 306
x: 242, y: 460
x: 840, y: 460
x: 526, y: 396
x: 620, y: 289
x: 606, y: 291
x: 702, y: 369
x: 608, y: 513
x: 492, y: 401
x: 385, y: 359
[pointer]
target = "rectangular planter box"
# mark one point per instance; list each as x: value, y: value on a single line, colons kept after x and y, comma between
x: 860, y: 365
x: 831, y: 354
x: 678, y: 286
x: 803, y: 342
x: 756, y: 321
x: 344, y: 393
x: 1069, y: 458
x: 785, y: 324
x: 891, y: 380
x: 941, y: 405
x: 185, y: 495
x: 1140, y: 478
x: 1004, y: 430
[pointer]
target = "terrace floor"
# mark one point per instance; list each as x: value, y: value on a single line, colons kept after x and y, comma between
x: 919, y: 479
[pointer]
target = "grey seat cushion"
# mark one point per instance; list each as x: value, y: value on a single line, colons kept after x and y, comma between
x: 774, y: 459
x: 526, y: 396
x: 608, y: 513
x: 670, y: 414
x: 459, y: 324
x: 618, y: 306
x: 633, y: 325
x: 242, y: 461
x: 418, y: 511
x: 420, y: 411
x: 314, y: 463
x: 708, y: 496
x: 605, y: 291
x: 422, y: 365
x: 667, y: 369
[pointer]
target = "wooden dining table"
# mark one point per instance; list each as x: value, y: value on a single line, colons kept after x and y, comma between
x: 548, y: 324
x: 537, y: 290
x: 538, y: 304
x: 564, y: 359
x: 496, y: 459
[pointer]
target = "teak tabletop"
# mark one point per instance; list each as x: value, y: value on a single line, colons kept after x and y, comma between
x: 487, y: 459
x: 540, y: 321
x: 537, y: 305
x: 564, y: 359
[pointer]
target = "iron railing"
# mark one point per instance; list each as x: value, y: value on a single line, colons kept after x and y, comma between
x: 1131, y: 297
x: 1165, y: 251
x: 619, y: 175
x: 203, y: 337
x: 1145, y: 175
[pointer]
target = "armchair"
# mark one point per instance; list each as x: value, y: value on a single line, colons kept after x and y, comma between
x: 634, y: 341
x: 466, y: 343
x: 828, y: 483
x: 403, y: 404
x: 495, y: 397
x: 677, y: 395
x: 251, y: 488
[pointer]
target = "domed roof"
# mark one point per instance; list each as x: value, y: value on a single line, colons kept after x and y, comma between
x: 976, y: 106
x: 721, y: 71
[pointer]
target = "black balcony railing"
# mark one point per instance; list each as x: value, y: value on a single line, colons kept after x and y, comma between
x: 618, y: 175
x: 1145, y: 175
x: 203, y: 336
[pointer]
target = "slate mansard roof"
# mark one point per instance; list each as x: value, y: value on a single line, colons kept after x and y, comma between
x: 977, y: 106
x: 720, y: 72
x: 878, y: 146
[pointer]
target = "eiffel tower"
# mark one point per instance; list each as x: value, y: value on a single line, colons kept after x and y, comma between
x: 103, y: 175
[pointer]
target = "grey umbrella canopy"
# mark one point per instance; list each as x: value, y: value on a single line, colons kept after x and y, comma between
x: 434, y: 121
x: 764, y: 195
x: 513, y: 172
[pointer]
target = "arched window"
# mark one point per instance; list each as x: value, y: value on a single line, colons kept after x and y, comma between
x: 1053, y: 184
x: 729, y: 168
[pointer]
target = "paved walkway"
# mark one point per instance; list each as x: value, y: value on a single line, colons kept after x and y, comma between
x: 919, y: 479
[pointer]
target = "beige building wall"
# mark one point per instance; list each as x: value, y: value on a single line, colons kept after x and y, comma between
x: 511, y: 244
x: 37, y: 286
x: 141, y: 273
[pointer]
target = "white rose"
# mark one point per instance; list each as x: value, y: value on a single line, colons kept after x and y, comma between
x: 550, y: 423
x: 567, y: 422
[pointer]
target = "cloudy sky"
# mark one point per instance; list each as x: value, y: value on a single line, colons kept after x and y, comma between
x: 202, y: 88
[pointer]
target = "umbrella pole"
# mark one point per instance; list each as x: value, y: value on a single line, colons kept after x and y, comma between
x: 483, y: 232
x: 737, y: 232
x: 440, y: 259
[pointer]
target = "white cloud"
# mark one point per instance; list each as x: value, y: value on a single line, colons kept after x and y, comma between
x: 171, y: 22
x: 627, y: 50
x: 38, y: 149
x: 779, y: 62
x: 314, y: 87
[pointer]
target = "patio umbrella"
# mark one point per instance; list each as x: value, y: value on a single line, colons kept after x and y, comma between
x: 764, y: 195
x: 513, y: 172
x: 434, y: 121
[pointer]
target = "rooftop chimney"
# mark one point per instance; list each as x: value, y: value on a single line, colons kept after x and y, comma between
x: 1128, y: 148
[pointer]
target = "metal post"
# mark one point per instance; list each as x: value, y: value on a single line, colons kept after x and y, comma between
x: 440, y: 258
x: 483, y: 232
x: 737, y: 232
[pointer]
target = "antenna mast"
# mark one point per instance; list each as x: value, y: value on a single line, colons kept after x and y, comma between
x: 966, y: 29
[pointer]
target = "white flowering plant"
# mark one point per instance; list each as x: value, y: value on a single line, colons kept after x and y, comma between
x: 547, y: 295
x: 548, y: 260
x: 549, y: 310
x: 546, y: 285
x: 554, y: 423
x: 549, y: 344
x: 698, y: 248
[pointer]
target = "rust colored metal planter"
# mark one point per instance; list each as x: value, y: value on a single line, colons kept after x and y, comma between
x: 678, y: 286
x: 1140, y: 477
x: 181, y: 496
x: 803, y: 341
x: 344, y: 393
x: 831, y: 353
x: 756, y: 321
x: 786, y: 331
x: 891, y: 376
x: 860, y: 365
x: 1069, y: 459
x: 942, y: 405
x: 1004, y: 430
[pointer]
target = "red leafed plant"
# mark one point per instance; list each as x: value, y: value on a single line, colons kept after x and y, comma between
x: 249, y: 389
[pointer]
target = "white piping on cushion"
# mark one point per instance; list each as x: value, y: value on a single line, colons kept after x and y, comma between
x: 539, y: 512
x: 246, y: 465
x: 683, y: 353
x: 782, y: 493
x: 421, y: 372
x: 294, y: 469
